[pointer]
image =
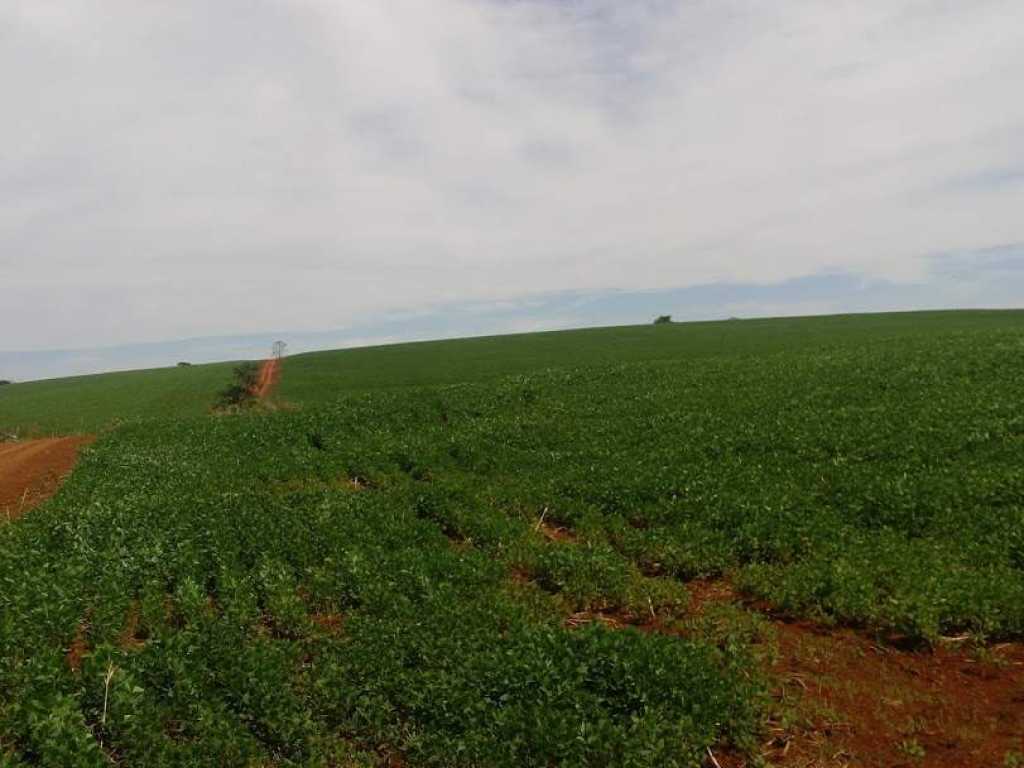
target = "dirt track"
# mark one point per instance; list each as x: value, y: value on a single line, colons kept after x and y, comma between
x: 32, y: 470
x: 270, y: 373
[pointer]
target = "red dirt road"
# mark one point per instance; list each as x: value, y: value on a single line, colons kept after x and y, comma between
x: 32, y: 470
x: 270, y: 374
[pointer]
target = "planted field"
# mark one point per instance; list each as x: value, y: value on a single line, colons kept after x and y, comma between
x: 581, y: 566
x: 83, y: 404
x: 319, y: 376
x: 95, y: 403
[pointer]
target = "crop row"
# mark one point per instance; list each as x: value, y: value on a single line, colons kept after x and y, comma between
x: 392, y: 573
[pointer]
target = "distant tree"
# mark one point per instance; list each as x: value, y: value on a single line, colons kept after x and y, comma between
x: 279, y: 349
x: 5, y: 381
x: 662, y: 319
x: 242, y: 391
x: 184, y: 364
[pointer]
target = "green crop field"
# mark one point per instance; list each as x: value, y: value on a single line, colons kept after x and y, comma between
x: 445, y: 574
x: 319, y: 376
x: 82, y: 404
x: 94, y: 403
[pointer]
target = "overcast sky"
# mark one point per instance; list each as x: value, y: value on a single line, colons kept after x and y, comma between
x: 186, y: 168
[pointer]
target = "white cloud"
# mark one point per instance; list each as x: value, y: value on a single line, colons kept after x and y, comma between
x: 189, y: 168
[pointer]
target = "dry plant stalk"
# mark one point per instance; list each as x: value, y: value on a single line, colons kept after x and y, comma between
x: 540, y: 522
x: 111, y: 670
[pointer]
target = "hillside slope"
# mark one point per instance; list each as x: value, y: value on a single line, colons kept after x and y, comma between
x: 572, y: 567
x: 321, y: 376
x: 91, y: 403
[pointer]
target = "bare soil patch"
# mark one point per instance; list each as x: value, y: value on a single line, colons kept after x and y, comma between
x: 270, y: 374
x: 130, y: 639
x: 32, y: 470
x: 856, y: 702
x: 704, y: 592
x: 552, y: 531
x: 79, y: 648
x: 331, y: 623
x: 844, y: 698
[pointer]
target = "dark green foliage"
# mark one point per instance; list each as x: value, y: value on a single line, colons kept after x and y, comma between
x: 382, y: 573
x: 318, y: 377
x: 92, y: 403
x: 242, y: 390
x: 232, y: 539
x: 663, y: 320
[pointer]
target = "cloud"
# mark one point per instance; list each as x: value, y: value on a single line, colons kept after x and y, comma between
x: 982, y: 263
x: 191, y: 168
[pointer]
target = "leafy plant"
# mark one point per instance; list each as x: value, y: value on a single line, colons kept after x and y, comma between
x: 242, y: 390
x: 912, y: 748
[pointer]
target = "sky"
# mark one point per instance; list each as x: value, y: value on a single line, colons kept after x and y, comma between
x: 378, y: 170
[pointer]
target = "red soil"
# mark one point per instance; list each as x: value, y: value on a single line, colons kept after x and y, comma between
x: 556, y: 533
x: 873, y: 705
x: 129, y: 639
x: 842, y: 698
x: 78, y: 649
x: 270, y: 374
x: 332, y: 623
x: 32, y: 470
x: 552, y: 531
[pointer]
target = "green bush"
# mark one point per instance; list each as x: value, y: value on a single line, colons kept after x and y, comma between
x: 242, y: 390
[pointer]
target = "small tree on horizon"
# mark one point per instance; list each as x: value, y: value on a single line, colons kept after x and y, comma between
x: 662, y: 319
